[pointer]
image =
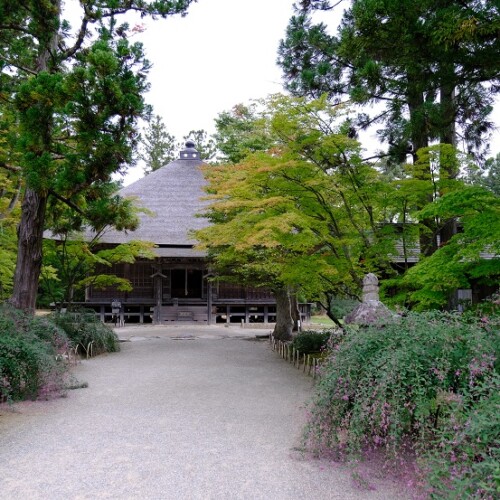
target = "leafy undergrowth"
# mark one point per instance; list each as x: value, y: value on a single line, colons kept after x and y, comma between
x: 425, y: 386
x: 87, y: 334
x: 311, y: 341
x: 31, y: 356
x: 35, y: 351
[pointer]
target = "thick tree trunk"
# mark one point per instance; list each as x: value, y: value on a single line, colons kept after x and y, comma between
x: 284, y: 321
x: 448, y: 136
x: 32, y: 224
x: 29, y: 252
x: 448, y: 111
x: 420, y: 139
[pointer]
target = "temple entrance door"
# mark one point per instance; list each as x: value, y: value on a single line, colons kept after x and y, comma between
x: 187, y: 283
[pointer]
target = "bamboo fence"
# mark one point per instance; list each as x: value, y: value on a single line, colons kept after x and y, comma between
x: 306, y: 362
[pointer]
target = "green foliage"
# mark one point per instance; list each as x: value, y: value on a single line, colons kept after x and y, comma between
x: 10, y: 191
x: 411, y: 58
x: 485, y: 309
x: 157, y: 145
x: 303, y: 214
x: 70, y: 265
x: 241, y: 131
x: 340, y: 307
x: 31, y: 365
x: 23, y: 365
x: 310, y: 341
x: 472, y: 254
x: 33, y: 350
x: 73, y: 97
x: 465, y: 464
x: 429, y: 379
x: 87, y: 334
x: 490, y: 177
x: 8, y: 247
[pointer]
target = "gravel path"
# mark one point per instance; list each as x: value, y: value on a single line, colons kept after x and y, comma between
x: 179, y: 413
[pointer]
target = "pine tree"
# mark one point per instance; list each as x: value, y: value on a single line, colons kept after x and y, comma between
x: 157, y: 145
x: 76, y: 101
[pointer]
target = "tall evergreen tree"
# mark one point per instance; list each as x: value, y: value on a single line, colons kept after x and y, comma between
x: 76, y: 100
x: 157, y: 145
x: 432, y: 66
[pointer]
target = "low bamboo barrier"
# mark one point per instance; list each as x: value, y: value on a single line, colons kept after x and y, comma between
x: 306, y: 362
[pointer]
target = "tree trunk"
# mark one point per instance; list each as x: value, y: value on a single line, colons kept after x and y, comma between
x: 328, y: 309
x: 29, y: 251
x: 284, y: 322
x: 32, y: 224
x: 448, y: 112
x: 295, y: 312
x: 420, y: 139
x: 448, y: 136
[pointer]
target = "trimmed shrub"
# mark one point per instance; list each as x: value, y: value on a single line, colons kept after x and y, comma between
x: 88, y: 335
x: 311, y: 341
x: 26, y: 366
x: 422, y: 379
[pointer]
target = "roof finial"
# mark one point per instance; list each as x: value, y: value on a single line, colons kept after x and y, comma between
x: 189, y: 152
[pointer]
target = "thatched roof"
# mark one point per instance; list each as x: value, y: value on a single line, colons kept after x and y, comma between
x: 173, y: 194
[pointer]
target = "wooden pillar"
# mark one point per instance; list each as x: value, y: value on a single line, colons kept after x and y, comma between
x: 158, y: 287
x: 266, y: 314
x: 209, y: 303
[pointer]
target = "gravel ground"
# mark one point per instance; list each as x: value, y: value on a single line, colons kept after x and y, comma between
x: 180, y: 413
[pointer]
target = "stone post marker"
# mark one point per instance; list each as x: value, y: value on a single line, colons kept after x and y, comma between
x: 370, y: 288
x: 371, y: 310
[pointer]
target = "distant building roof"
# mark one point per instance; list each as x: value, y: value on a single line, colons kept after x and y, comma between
x: 173, y: 196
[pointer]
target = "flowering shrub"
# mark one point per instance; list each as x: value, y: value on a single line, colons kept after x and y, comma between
x: 427, y: 379
x: 465, y: 459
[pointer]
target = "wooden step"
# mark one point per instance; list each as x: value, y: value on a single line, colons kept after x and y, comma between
x: 184, y: 313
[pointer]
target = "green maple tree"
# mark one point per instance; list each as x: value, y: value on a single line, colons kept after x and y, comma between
x: 304, y: 215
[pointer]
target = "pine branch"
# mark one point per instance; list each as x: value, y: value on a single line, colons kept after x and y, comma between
x: 19, y: 67
x: 67, y: 202
x: 14, y: 27
x: 10, y: 168
x: 82, y: 33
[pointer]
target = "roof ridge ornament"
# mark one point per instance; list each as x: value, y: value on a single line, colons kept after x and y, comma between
x: 189, y: 152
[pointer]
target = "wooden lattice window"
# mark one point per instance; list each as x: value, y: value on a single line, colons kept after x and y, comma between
x: 110, y: 291
x: 141, y: 280
x: 231, y: 291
